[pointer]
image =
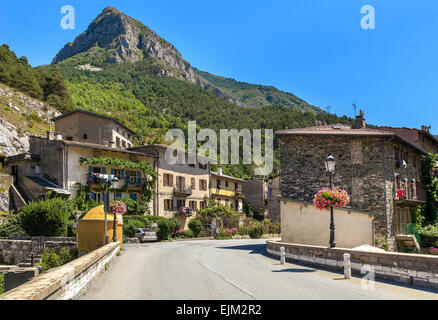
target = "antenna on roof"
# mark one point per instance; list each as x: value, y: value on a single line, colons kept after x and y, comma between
x: 355, y: 109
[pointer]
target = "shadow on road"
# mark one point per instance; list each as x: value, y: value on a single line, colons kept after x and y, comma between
x: 295, y: 270
x: 252, y: 248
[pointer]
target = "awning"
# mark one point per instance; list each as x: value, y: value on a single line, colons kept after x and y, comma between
x: 48, y: 185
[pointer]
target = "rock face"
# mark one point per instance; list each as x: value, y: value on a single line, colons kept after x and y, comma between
x: 126, y: 40
x: 15, y: 126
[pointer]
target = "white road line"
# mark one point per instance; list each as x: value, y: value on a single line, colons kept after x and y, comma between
x: 224, y: 278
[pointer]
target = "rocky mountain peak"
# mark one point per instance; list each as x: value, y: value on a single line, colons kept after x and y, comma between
x: 125, y: 39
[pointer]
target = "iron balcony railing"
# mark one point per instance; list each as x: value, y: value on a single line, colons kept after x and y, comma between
x: 183, y: 190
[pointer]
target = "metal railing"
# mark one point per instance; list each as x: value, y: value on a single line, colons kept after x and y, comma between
x: 410, y: 229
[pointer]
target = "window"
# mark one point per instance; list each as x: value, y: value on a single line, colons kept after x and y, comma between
x: 132, y: 177
x: 129, y: 145
x: 203, y: 166
x: 180, y: 182
x: 192, y: 165
x: 167, y: 180
x: 219, y: 201
x: 202, y: 205
x: 218, y: 184
x: 227, y: 202
x: 168, y: 204
x: 202, y: 184
x: 85, y: 136
x: 226, y: 184
x: 236, y: 205
x: 193, y: 205
x: 118, y: 173
x: 69, y: 138
x: 193, y: 184
x: 236, y: 186
x: 124, y: 144
x: 118, y: 142
x: 97, y: 170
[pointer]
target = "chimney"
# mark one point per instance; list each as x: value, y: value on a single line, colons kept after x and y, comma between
x: 426, y: 128
x: 219, y: 171
x: 360, y: 121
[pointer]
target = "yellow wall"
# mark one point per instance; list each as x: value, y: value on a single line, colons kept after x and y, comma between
x: 304, y: 224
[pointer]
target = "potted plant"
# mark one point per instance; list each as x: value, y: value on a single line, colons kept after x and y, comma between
x: 326, y: 198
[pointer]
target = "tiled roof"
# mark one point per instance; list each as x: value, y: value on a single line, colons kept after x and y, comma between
x: 225, y: 176
x: 335, y: 129
x: 102, y: 147
x: 345, y: 130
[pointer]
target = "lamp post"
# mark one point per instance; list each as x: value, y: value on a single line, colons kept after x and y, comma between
x: 330, y: 163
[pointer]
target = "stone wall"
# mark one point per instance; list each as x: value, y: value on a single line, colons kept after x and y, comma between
x: 69, y: 281
x: 413, y: 269
x: 17, y: 251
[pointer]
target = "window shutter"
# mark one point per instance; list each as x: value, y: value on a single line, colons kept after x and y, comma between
x: 93, y: 196
x: 104, y: 170
x: 165, y: 176
x: 127, y: 173
x: 139, y: 178
x: 90, y: 171
x: 113, y: 171
x: 171, y: 180
x: 178, y: 182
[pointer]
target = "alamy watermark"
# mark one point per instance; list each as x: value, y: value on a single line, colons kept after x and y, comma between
x: 208, y: 152
x: 368, y: 21
x: 368, y: 277
x: 68, y: 20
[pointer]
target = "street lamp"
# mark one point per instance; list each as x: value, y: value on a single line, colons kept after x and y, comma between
x: 107, y: 209
x: 330, y: 163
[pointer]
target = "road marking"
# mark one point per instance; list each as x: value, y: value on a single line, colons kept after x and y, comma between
x: 223, y: 278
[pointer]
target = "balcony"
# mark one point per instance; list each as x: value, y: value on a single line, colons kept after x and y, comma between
x: 184, y: 211
x: 228, y: 193
x: 182, y: 191
x: 414, y: 197
x: 98, y: 179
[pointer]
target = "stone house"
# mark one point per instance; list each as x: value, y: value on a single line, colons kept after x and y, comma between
x: 84, y: 126
x: 227, y: 190
x: 379, y: 169
x: 181, y: 188
x: 53, y: 164
x: 421, y: 138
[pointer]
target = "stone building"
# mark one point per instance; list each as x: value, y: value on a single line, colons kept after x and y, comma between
x: 55, y: 163
x: 421, y: 138
x: 255, y: 192
x: 84, y: 126
x: 181, y: 188
x: 379, y: 169
x: 227, y: 190
x: 273, y: 193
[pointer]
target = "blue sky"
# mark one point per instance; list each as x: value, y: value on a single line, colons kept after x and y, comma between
x: 315, y: 49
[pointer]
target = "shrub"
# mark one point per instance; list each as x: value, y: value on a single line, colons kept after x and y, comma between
x: 11, y: 227
x: 46, y: 218
x: 2, y: 282
x: 178, y: 233
x: 132, y: 207
x: 188, y: 234
x: 50, y: 259
x: 196, y: 227
x: 255, y: 231
x: 429, y: 236
x: 66, y: 255
x: 130, y: 227
x: 166, y: 228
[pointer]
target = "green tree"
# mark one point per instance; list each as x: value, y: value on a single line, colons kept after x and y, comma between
x: 46, y: 218
x: 430, y: 185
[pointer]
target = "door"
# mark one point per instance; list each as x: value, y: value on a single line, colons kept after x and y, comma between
x: 15, y: 173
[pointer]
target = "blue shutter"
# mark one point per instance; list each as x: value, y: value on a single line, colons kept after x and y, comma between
x: 133, y: 196
x: 104, y: 170
x: 122, y: 174
x: 103, y: 196
x: 127, y: 176
x: 118, y: 195
x: 113, y: 171
x: 139, y: 178
x: 93, y: 196
x: 90, y: 171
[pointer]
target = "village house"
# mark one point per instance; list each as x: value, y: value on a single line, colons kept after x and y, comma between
x: 181, y: 188
x: 227, y: 190
x: 58, y: 163
x: 379, y: 169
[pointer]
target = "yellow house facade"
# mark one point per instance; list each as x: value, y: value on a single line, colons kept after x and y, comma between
x: 227, y: 190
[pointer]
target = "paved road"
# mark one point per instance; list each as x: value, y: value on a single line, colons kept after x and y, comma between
x: 227, y: 269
